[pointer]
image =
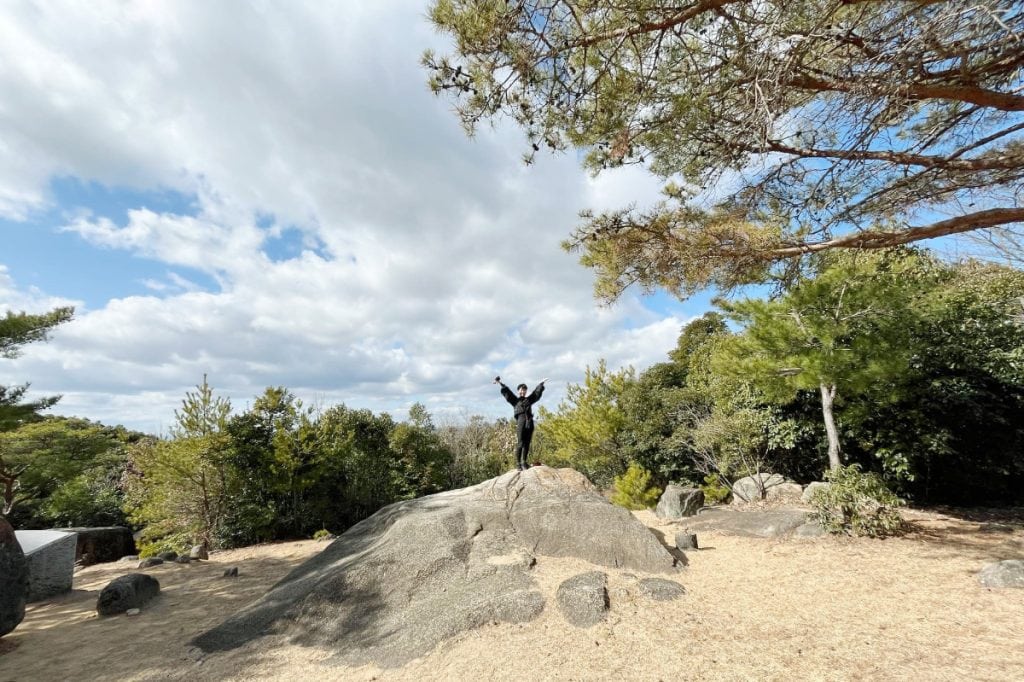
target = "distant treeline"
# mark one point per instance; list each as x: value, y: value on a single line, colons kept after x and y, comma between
x: 908, y: 366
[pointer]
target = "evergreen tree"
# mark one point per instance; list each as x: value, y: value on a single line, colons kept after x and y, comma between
x: 16, y: 330
x: 820, y: 124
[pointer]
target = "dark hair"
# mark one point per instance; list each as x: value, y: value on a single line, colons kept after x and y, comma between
x: 521, y: 386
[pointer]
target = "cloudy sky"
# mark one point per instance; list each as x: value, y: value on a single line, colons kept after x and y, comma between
x: 267, y: 193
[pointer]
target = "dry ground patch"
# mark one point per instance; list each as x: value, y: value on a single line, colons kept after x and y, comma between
x: 826, y: 608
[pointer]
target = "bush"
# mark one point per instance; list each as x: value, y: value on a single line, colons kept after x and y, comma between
x: 633, y: 489
x: 857, y: 504
x: 714, y: 491
x: 155, y: 541
x: 322, y: 534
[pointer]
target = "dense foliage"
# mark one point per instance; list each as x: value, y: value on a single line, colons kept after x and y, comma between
x: 855, y: 503
x: 16, y: 330
x: 283, y: 470
x: 895, y: 361
x: 634, y: 490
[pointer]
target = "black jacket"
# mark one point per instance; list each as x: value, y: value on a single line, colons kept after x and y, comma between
x: 522, y: 406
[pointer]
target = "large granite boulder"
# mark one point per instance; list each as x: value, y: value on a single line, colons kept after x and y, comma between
x: 813, y: 487
x: 557, y: 512
x: 130, y: 591
x: 417, y: 572
x: 102, y: 544
x: 775, y: 487
x: 51, y: 561
x: 13, y: 579
x: 749, y: 488
x: 677, y: 502
x: 753, y: 524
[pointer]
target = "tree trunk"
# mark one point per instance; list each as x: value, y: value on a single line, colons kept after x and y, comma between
x: 828, y: 394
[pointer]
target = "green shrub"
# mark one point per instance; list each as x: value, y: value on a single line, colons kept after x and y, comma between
x: 857, y: 504
x: 714, y: 491
x: 322, y: 534
x: 633, y: 489
x: 154, y: 541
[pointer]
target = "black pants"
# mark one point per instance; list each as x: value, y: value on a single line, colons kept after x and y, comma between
x: 524, y: 433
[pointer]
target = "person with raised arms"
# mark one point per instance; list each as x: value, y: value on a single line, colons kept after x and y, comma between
x: 522, y: 408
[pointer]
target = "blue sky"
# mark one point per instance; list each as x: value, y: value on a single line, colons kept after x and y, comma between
x: 270, y: 195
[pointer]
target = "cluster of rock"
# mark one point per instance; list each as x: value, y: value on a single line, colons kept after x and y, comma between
x: 773, y: 488
x: 686, y: 505
x: 584, y: 601
x: 197, y: 553
x: 420, y: 571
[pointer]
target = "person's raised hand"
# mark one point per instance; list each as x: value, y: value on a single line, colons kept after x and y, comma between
x: 497, y: 380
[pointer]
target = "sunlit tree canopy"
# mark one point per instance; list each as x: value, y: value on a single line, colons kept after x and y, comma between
x: 781, y: 128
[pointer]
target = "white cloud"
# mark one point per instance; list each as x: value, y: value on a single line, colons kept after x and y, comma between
x: 432, y: 261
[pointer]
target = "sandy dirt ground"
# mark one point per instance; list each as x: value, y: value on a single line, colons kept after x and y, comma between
x: 810, y: 609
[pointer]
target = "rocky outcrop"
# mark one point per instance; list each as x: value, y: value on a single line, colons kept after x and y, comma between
x: 677, y: 502
x: 557, y: 512
x: 420, y: 571
x: 755, y: 524
x: 13, y: 579
x: 102, y: 544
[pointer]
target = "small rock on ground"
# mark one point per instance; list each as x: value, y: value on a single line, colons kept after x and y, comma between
x: 583, y: 598
x: 661, y: 589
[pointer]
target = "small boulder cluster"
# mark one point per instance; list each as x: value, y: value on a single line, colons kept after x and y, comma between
x: 198, y: 553
x: 686, y: 506
x: 584, y: 599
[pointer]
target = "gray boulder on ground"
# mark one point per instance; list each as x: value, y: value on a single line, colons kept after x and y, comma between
x: 811, y: 488
x: 811, y: 529
x: 785, y: 492
x: 168, y: 555
x: 660, y: 589
x: 13, y: 579
x: 677, y: 502
x: 776, y: 488
x: 130, y: 591
x: 183, y: 559
x: 583, y: 598
x: 1008, y: 573
x: 150, y: 561
x: 754, y: 524
x: 102, y: 544
x: 417, y: 572
x: 685, y: 540
x: 199, y: 552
